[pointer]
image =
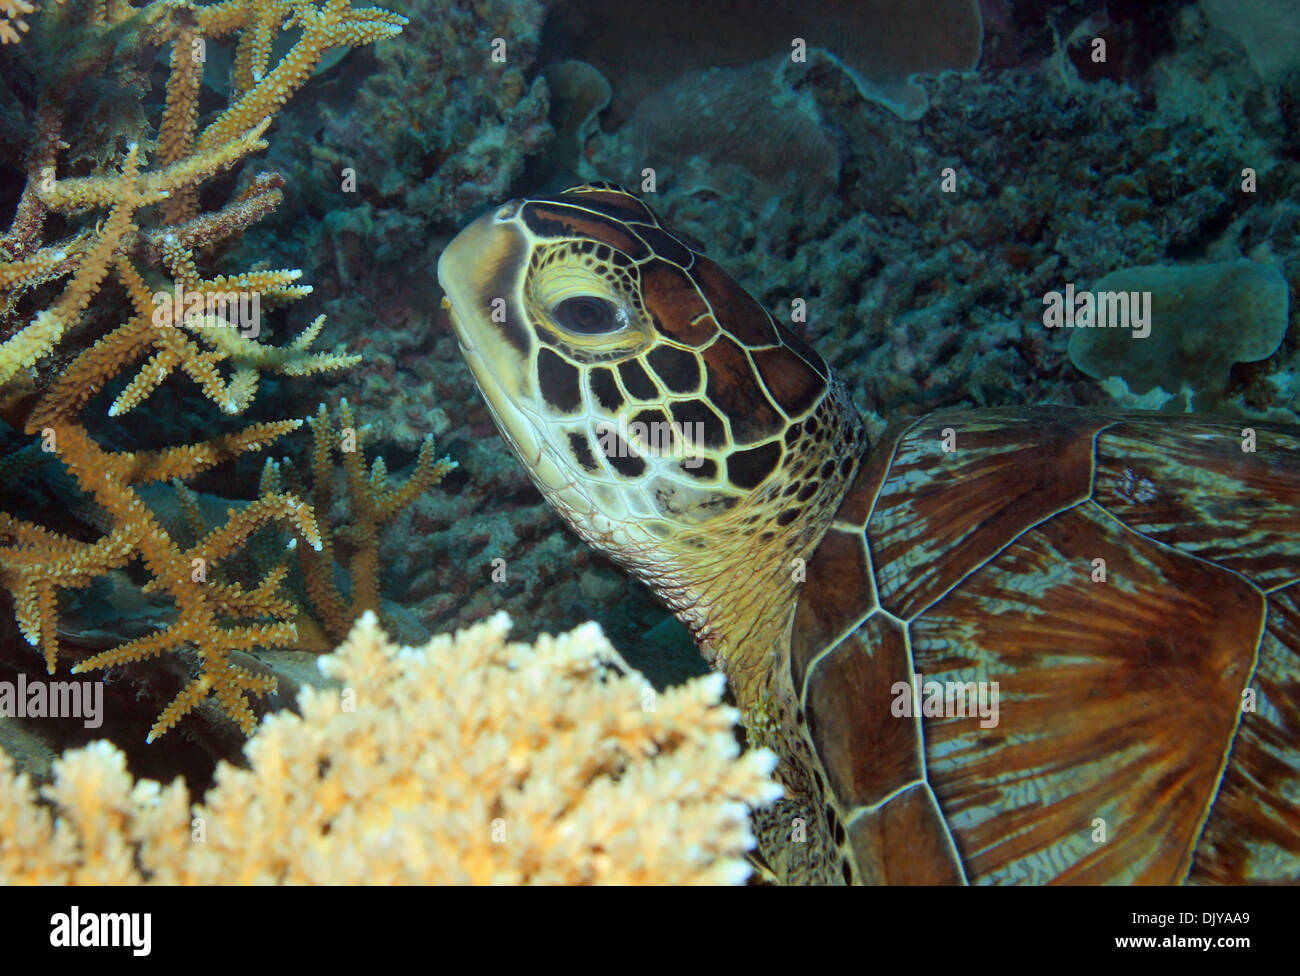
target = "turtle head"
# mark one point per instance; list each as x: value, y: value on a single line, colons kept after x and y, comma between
x: 671, y: 419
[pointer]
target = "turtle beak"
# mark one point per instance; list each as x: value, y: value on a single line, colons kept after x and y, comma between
x: 480, y: 272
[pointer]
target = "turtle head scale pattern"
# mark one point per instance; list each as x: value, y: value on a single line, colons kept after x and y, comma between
x: 664, y: 412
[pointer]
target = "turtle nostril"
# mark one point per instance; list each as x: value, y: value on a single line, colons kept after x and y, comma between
x: 508, y: 210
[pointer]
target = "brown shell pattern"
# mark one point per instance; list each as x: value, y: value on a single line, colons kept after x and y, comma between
x: 1131, y: 584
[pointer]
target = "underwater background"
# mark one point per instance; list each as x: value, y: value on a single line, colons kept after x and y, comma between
x: 922, y: 178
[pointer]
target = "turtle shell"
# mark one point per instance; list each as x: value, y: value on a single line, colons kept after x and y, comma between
x: 1132, y: 586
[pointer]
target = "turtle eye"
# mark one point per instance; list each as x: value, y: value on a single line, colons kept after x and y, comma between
x: 588, y: 315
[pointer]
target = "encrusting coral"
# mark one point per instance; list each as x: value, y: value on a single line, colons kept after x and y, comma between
x: 61, y: 349
x: 444, y: 125
x: 468, y: 761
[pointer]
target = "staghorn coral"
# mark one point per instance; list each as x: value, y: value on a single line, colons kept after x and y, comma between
x: 11, y: 20
x: 372, y: 502
x: 467, y: 761
x: 349, y: 525
x: 140, y: 261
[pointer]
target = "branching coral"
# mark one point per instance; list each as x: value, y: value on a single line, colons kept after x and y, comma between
x: 467, y: 761
x: 372, y: 502
x: 12, y: 13
x: 148, y: 247
x: 349, y: 525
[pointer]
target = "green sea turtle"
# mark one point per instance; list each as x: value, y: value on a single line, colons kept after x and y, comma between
x: 1014, y: 645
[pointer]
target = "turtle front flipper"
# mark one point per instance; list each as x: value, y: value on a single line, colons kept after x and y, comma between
x: 1078, y: 635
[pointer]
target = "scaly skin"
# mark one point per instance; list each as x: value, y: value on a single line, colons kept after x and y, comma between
x: 723, y: 553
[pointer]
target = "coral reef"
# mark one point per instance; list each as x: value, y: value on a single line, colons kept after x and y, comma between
x: 921, y: 299
x: 881, y: 44
x: 405, y: 117
x: 136, y: 171
x: 441, y: 126
x: 434, y: 129
x: 797, y: 160
x: 1269, y: 30
x: 468, y: 761
x: 64, y: 346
